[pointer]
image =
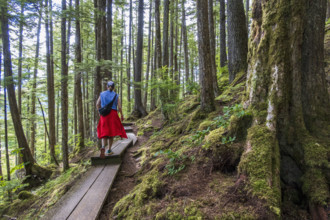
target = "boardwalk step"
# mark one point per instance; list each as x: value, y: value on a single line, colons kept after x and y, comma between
x: 127, y: 123
x: 118, y: 150
x: 128, y: 128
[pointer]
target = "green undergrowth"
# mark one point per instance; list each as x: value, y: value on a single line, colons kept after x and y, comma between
x: 34, y: 204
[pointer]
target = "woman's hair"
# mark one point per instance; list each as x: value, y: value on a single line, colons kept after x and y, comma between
x: 111, y: 85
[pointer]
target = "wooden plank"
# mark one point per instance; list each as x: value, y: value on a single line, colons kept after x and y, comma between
x: 127, y: 123
x: 118, y: 150
x: 90, y: 206
x: 63, y: 208
x: 128, y: 128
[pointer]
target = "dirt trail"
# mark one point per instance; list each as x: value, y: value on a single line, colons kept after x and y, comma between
x: 125, y: 180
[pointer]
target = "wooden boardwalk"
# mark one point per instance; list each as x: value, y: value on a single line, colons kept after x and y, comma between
x: 85, y: 199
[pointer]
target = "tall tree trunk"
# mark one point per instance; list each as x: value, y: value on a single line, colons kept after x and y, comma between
x: 153, y: 74
x: 50, y: 92
x: 176, y: 70
x: 122, y: 56
x: 34, y: 88
x: 109, y: 34
x: 1, y: 173
x: 237, y: 39
x: 148, y: 59
x: 328, y: 10
x: 139, y: 110
x: 165, y: 61
x: 247, y: 6
x: 205, y: 66
x: 6, y: 132
x: 64, y: 91
x: 212, y: 47
x: 223, y: 49
x: 31, y: 167
x: 286, y: 81
x: 68, y: 36
x: 58, y: 104
x: 97, y: 79
x: 158, y: 46
x: 20, y: 58
x: 102, y: 8
x: 171, y: 58
x: 129, y: 57
x: 185, y: 43
x: 78, y: 82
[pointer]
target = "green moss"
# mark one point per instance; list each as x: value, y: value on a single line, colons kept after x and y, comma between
x: 205, y: 125
x: 315, y: 184
x: 214, y: 138
x: 234, y: 90
x: 25, y: 195
x: 181, y: 210
x: 130, y: 206
x: 261, y: 162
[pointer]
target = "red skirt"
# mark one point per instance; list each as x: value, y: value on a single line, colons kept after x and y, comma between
x: 110, y: 126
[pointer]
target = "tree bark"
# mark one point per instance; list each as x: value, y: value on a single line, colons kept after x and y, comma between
x: 185, y: 43
x: 205, y: 66
x: 328, y: 10
x: 109, y: 34
x: 158, y: 46
x: 64, y: 91
x: 79, y: 97
x: 237, y: 39
x: 148, y: 59
x: 176, y: 70
x: 31, y: 167
x: 212, y: 48
x: 50, y: 92
x: 1, y: 173
x: 97, y: 79
x: 223, y: 49
x: 6, y: 133
x: 139, y: 110
x: 287, y: 95
x: 129, y: 57
x: 247, y: 7
x: 165, y: 61
x: 34, y: 88
x: 102, y: 7
x: 20, y: 58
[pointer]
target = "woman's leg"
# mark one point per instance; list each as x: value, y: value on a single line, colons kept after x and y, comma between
x: 110, y: 142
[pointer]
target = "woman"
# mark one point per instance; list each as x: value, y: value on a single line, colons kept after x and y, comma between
x: 110, y: 125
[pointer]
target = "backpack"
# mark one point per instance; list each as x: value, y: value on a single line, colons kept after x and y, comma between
x: 107, y: 109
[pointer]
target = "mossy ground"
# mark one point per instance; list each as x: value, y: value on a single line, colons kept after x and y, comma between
x: 180, y: 176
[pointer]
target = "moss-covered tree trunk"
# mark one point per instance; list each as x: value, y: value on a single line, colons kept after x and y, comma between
x: 286, y: 93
